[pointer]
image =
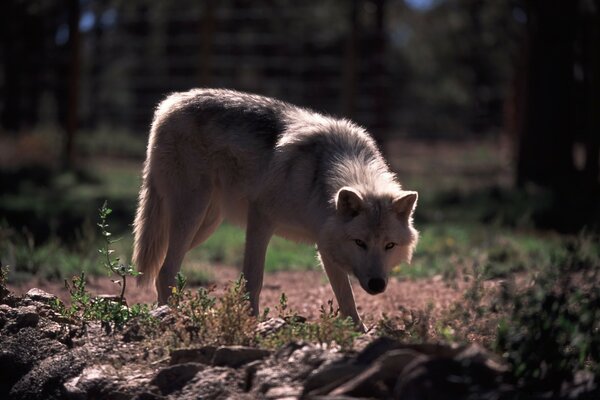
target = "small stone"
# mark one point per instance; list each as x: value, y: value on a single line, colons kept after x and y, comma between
x: 111, y: 297
x: 375, y: 378
x: 270, y: 326
x: 174, y: 377
x: 331, y: 377
x: 161, y: 312
x: 283, y: 393
x: 91, y: 379
x: 236, y: 356
x: 203, y: 355
x: 36, y: 294
x: 26, y: 317
x: 477, y: 355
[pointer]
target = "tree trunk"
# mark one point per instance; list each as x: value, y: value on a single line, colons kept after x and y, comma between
x: 544, y: 153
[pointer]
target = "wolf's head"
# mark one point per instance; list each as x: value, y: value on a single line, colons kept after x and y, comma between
x: 369, y: 234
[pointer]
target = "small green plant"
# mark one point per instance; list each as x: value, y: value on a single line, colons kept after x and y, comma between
x: 330, y: 328
x: 204, y: 319
x: 112, y: 264
x: 112, y: 313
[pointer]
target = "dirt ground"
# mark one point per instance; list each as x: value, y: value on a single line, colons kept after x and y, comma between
x: 306, y: 291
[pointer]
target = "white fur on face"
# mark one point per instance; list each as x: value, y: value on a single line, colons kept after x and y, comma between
x: 357, y: 243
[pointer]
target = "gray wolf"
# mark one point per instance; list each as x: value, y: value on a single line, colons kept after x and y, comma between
x: 276, y: 169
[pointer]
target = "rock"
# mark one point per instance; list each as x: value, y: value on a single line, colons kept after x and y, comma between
x: 161, y: 312
x: 379, y: 379
x: 329, y: 378
x: 478, y: 355
x: 203, y: 355
x: 291, y: 366
x: 45, y: 380
x: 236, y: 356
x: 215, y: 383
x: 270, y: 326
x: 52, y: 330
x: 175, y: 377
x: 471, y: 373
x: 148, y: 396
x: 91, y: 382
x: 384, y: 344
x: 283, y: 393
x: 39, y: 295
x: 26, y: 317
x: 110, y: 298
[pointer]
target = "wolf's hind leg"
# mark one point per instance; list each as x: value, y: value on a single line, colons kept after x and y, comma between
x: 187, y: 209
x: 340, y: 283
x: 258, y: 234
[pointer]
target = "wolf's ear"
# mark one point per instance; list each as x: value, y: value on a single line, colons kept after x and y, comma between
x: 348, y: 202
x: 405, y: 204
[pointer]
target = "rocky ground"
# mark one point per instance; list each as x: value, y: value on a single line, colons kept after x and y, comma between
x: 45, y: 356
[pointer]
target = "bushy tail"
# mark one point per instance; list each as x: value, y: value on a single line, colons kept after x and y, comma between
x: 151, y: 234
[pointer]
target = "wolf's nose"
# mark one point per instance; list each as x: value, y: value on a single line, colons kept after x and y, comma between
x: 376, y: 285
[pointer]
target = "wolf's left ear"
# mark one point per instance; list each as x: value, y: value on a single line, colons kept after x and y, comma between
x: 405, y: 204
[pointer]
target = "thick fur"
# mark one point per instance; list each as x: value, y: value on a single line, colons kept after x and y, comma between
x: 276, y: 169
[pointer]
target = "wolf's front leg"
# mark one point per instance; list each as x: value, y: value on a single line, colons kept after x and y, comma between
x: 258, y: 234
x: 340, y: 283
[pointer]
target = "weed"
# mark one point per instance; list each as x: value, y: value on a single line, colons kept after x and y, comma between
x: 410, y: 325
x: 112, y: 313
x: 201, y: 318
x: 112, y: 264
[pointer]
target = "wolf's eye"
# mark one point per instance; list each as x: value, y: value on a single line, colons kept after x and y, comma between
x: 390, y: 245
x: 360, y: 243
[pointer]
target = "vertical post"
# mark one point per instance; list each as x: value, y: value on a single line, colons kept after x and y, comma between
x: 350, y: 66
x: 381, y: 123
x: 73, y: 83
x: 207, y: 32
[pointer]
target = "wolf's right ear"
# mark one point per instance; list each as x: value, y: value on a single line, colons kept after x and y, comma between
x: 348, y: 202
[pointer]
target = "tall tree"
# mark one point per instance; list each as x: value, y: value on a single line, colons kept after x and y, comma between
x: 559, y: 108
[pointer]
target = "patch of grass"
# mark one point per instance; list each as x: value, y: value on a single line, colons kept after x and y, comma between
x: 226, y: 246
x: 447, y: 249
x: 52, y: 260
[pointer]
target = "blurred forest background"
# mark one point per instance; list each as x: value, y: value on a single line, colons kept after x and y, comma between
x: 491, y: 109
